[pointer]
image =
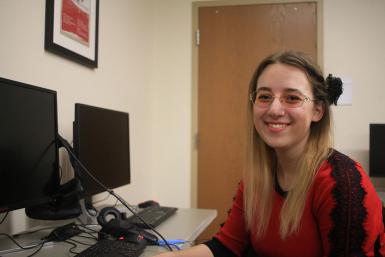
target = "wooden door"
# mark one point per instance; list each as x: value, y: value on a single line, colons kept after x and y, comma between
x: 233, y: 40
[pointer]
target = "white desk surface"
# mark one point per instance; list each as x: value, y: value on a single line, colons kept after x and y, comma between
x: 185, y: 224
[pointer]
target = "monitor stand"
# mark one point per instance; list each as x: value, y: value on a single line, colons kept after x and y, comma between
x: 89, y: 207
x: 64, y: 205
x: 88, y: 216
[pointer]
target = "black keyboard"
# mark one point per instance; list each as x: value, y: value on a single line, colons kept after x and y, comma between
x: 113, y: 248
x: 153, y: 215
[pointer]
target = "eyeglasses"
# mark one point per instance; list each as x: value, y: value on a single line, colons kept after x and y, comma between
x: 264, y: 98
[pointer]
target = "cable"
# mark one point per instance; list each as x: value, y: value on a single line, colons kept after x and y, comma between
x: 41, y: 244
x: 72, y: 248
x: 4, y: 217
x: 176, y: 246
x: 88, y: 237
x: 78, y: 242
x: 91, y: 236
x: 34, y: 231
x: 140, y: 218
x: 85, y: 226
x: 91, y: 210
x: 68, y: 147
x: 116, y: 203
x: 175, y: 243
x: 19, y: 245
x: 35, y: 252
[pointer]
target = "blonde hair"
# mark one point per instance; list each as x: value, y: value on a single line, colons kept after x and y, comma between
x: 260, y: 166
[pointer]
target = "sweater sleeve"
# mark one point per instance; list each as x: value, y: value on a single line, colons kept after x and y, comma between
x: 233, y: 234
x: 348, y: 210
x: 218, y: 249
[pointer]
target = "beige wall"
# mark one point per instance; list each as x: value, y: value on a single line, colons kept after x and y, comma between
x: 145, y: 68
x: 354, y: 42
x: 122, y: 81
x: 354, y: 39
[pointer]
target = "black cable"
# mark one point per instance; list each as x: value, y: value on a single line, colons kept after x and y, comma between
x: 34, y: 231
x: 91, y: 210
x: 93, y: 230
x: 116, y: 203
x: 68, y: 147
x: 88, y: 237
x: 81, y: 227
x: 91, y: 236
x: 72, y: 248
x: 4, y: 217
x: 78, y: 242
x: 19, y: 245
x: 141, y: 219
x: 41, y: 246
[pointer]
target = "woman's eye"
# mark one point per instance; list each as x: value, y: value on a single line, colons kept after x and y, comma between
x: 293, y: 98
x: 264, y: 97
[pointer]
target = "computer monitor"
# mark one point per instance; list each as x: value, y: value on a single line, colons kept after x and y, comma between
x: 29, y: 172
x: 101, y: 143
x: 377, y: 150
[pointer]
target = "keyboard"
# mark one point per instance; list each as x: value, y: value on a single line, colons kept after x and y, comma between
x: 153, y: 215
x: 113, y: 248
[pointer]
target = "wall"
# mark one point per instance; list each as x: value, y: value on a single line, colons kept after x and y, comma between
x: 171, y: 103
x: 354, y: 39
x: 122, y: 81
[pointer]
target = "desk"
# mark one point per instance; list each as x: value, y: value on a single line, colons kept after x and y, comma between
x: 381, y: 194
x: 185, y: 224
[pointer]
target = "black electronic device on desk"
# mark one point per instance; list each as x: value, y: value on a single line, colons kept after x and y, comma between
x: 123, y: 229
x: 102, y: 145
x: 153, y: 214
x: 113, y: 248
x: 29, y: 154
x: 118, y: 238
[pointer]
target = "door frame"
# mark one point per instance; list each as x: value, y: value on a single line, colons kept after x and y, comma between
x: 195, y: 18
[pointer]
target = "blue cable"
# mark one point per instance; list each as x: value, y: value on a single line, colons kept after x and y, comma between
x: 172, y: 242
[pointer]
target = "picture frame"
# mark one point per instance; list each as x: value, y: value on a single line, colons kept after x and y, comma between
x: 71, y: 30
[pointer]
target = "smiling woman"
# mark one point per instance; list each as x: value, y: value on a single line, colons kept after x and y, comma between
x: 296, y: 187
x: 285, y: 124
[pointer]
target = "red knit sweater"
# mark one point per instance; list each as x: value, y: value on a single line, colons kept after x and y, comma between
x: 342, y: 217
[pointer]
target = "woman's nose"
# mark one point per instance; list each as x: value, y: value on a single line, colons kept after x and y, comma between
x: 276, y: 107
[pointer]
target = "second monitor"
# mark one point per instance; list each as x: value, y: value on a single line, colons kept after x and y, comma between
x: 101, y: 142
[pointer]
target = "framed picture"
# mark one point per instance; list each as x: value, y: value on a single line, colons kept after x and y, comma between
x: 71, y: 30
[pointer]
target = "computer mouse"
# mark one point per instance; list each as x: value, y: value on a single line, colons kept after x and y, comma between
x: 124, y: 230
x: 148, y: 203
x: 134, y: 237
x: 150, y: 237
x: 137, y: 235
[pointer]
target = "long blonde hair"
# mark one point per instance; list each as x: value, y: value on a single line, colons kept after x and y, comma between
x: 260, y: 166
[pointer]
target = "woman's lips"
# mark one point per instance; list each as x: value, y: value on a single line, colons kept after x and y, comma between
x: 276, y: 127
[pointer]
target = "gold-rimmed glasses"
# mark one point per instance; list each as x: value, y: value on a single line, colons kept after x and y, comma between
x: 289, y: 99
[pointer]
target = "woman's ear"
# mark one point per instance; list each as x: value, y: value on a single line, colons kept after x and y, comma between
x: 318, y: 112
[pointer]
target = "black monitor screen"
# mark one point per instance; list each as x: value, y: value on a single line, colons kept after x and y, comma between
x: 101, y: 142
x: 28, y: 149
x: 377, y: 150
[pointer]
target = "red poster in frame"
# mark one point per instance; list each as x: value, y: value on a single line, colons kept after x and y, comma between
x: 71, y: 30
x: 75, y: 19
